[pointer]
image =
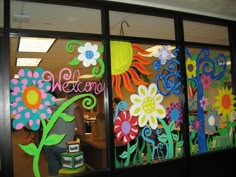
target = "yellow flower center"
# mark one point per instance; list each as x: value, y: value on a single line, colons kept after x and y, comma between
x: 148, y: 105
x: 121, y: 57
x: 32, y: 97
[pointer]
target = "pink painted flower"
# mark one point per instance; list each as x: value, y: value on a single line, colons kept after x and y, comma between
x: 204, y: 102
x: 206, y: 81
x: 125, y: 127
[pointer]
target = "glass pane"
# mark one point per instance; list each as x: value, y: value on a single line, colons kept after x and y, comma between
x: 141, y: 25
x: 211, y: 102
x: 1, y: 13
x: 146, y: 103
x: 71, y: 71
x: 205, y: 33
x: 27, y: 15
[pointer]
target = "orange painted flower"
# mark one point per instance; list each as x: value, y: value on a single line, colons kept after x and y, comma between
x: 126, y: 66
x: 225, y: 101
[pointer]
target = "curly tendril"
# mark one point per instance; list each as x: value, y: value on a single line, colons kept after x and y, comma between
x: 70, y: 46
x: 89, y: 102
x: 98, y: 71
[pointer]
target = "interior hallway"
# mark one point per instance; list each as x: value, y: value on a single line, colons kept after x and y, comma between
x: 23, y: 163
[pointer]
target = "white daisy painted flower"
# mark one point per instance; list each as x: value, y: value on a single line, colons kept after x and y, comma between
x: 88, y: 54
x: 147, y: 106
x: 164, y: 54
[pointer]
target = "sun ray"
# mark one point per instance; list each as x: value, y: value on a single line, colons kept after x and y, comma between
x: 141, y: 59
x: 117, y: 85
x: 140, y: 49
x: 127, y: 83
x: 135, y: 77
x: 141, y: 68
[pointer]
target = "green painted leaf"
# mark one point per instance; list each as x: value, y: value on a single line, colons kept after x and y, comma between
x: 149, y: 152
x: 172, y: 126
x: 227, y: 56
x: 132, y: 148
x: 214, y: 84
x: 123, y: 155
x: 228, y: 70
x: 180, y: 143
x: 213, y: 55
x: 67, y: 117
x: 226, y: 78
x: 190, y: 117
x: 30, y: 149
x: 223, y: 131
x: 74, y: 62
x: 54, y: 139
x: 194, y: 56
x: 218, y: 69
x: 162, y: 138
x: 101, y: 50
x: 175, y: 137
x: 206, y: 94
x: 222, y: 82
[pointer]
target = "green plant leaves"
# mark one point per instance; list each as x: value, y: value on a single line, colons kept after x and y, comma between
x: 54, y: 139
x: 30, y: 149
x: 67, y: 117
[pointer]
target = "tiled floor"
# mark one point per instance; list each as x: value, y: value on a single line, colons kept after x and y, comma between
x: 22, y: 162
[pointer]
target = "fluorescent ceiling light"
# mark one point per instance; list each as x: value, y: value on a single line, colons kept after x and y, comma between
x: 32, y: 44
x: 28, y: 61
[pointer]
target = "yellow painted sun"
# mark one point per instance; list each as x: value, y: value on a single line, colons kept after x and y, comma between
x: 225, y: 101
x: 126, y: 66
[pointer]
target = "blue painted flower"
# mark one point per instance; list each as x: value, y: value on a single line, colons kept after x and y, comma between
x: 88, y: 54
x: 29, y: 98
x: 174, y: 113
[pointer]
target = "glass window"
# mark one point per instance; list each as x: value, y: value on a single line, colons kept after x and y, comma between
x: 1, y: 13
x: 28, y: 15
x: 146, y: 104
x: 211, y: 101
x: 128, y: 24
x: 44, y: 102
x: 205, y: 33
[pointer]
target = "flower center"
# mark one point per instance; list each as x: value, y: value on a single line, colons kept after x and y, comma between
x: 148, y: 105
x: 32, y: 97
x: 225, y: 101
x: 174, y: 114
x: 121, y: 57
x: 211, y: 121
x: 89, y: 54
x: 190, y: 67
x: 126, y: 127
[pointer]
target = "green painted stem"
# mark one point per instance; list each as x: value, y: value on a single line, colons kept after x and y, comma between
x: 128, y: 155
x: 170, y: 140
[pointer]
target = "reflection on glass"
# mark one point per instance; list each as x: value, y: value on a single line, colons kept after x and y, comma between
x: 202, y: 32
x: 211, y: 102
x: 141, y: 25
x: 28, y: 15
x: 148, y: 115
x: 1, y: 13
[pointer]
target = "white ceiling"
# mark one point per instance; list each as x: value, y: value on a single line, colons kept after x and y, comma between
x: 225, y: 9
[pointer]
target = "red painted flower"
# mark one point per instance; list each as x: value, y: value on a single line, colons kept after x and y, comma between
x: 125, y: 127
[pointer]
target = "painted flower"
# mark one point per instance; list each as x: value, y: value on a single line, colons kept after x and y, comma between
x: 204, y: 103
x: 164, y: 54
x: 29, y: 98
x: 125, y: 127
x: 206, y: 81
x: 174, y: 113
x: 88, y: 54
x: 191, y: 68
x: 196, y: 124
x: 212, y: 121
x: 147, y: 106
x: 225, y: 101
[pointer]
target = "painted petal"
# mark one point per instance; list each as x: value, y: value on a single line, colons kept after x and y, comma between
x: 142, y: 90
x: 158, y: 98
x: 153, y: 122
x: 135, y: 110
x: 160, y: 111
x: 135, y: 99
x: 152, y: 89
x: 142, y: 120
